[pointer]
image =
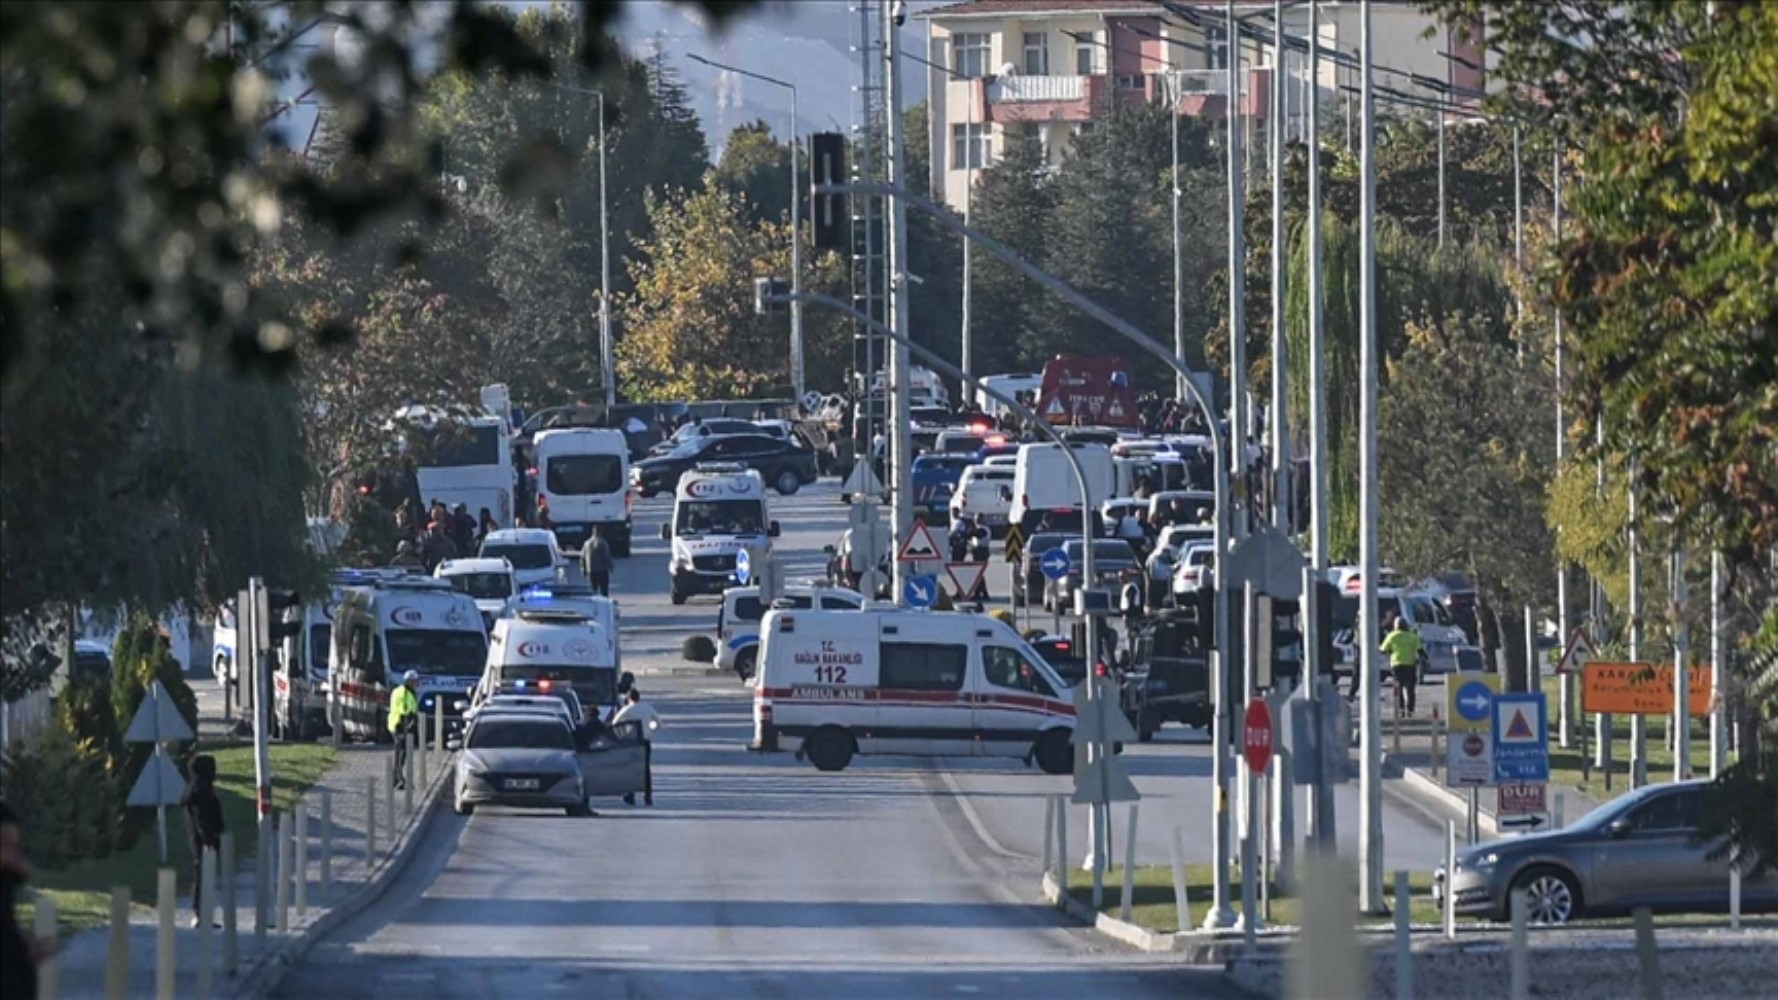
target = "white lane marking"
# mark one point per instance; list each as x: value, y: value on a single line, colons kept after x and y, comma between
x: 975, y: 821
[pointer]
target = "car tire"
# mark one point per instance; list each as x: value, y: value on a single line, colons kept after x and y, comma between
x: 462, y: 808
x: 1054, y: 753
x: 788, y: 482
x: 1552, y: 895
x: 829, y: 749
x: 746, y: 661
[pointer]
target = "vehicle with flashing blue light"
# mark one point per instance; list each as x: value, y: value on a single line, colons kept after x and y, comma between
x: 718, y: 510
x: 555, y: 647
x: 490, y: 582
x: 383, y: 628
x: 579, y: 599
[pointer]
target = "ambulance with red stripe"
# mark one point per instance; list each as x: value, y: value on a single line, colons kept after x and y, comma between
x: 413, y: 623
x: 835, y: 684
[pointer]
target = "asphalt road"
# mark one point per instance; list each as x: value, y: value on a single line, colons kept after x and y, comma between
x: 756, y: 876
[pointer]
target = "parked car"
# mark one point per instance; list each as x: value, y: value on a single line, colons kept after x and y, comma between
x: 1031, y: 583
x: 1168, y: 546
x: 784, y: 465
x: 1195, y: 568
x: 713, y: 427
x: 1114, y: 564
x: 1640, y: 849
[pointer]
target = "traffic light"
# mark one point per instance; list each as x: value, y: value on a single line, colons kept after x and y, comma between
x: 831, y: 213
x: 1287, y: 640
x: 768, y: 295
x: 277, y: 603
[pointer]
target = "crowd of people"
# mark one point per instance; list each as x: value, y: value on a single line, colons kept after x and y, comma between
x: 441, y: 533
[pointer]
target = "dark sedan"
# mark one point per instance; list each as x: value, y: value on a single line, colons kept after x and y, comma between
x: 784, y: 465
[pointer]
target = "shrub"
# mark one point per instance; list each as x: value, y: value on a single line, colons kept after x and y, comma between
x: 69, y: 804
x: 698, y: 649
x: 141, y: 656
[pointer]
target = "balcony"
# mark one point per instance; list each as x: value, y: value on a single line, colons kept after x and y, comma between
x: 1045, y: 98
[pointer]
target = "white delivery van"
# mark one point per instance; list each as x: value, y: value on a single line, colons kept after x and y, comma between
x: 718, y: 509
x: 833, y: 684
x: 542, y: 648
x: 986, y: 492
x: 1044, y: 485
x: 583, y: 482
x: 384, y: 630
x: 1010, y: 385
x: 737, y: 621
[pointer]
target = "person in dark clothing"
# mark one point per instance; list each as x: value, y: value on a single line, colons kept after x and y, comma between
x: 596, y: 562
x: 19, y: 954
x: 203, y: 825
x: 485, y: 525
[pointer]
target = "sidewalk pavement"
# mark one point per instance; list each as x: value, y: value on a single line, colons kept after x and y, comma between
x: 356, y: 880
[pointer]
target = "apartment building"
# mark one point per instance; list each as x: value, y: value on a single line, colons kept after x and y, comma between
x: 1054, y: 65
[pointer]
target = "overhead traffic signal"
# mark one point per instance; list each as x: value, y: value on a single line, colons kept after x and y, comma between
x: 831, y: 215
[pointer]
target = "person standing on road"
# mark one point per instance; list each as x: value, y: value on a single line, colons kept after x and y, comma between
x: 596, y: 562
x: 203, y: 826
x: 650, y: 720
x: 1403, y: 646
x: 404, y: 719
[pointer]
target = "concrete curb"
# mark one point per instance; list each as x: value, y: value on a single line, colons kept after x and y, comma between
x: 1453, y: 804
x: 1197, y: 947
x: 271, y: 966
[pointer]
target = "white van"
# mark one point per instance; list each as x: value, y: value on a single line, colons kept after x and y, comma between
x: 1009, y: 385
x: 581, y: 600
x: 837, y: 683
x: 533, y: 553
x: 382, y: 631
x: 986, y: 492
x: 554, y: 647
x: 583, y: 482
x: 737, y: 621
x: 1440, y: 636
x: 488, y: 582
x: 1044, y: 485
x: 718, y: 510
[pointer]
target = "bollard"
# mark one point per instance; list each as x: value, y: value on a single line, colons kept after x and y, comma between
x: 1325, y: 960
x: 165, y: 958
x: 1735, y: 895
x: 438, y: 726
x: 1182, y: 910
x: 1437, y: 726
x: 1128, y: 898
x: 407, y: 785
x: 264, y: 860
x: 282, y: 893
x: 1062, y: 844
x: 226, y: 880
x: 389, y: 804
x: 370, y: 822
x: 1647, y: 956
x: 1557, y: 809
x: 326, y: 844
x: 1049, y: 831
x: 421, y: 751
x: 207, y: 907
x: 47, y: 983
x: 301, y: 872
x: 1450, y: 879
x: 117, y: 951
x: 1404, y: 939
x: 1518, y: 950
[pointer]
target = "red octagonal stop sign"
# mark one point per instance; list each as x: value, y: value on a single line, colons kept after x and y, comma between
x: 1256, y: 736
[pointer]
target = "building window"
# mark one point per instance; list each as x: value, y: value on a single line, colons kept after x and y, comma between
x: 969, y: 146
x: 969, y: 55
x: 1086, y: 54
x: 1037, y: 54
x: 1131, y: 81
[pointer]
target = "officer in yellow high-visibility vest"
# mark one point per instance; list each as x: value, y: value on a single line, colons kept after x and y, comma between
x: 1403, y: 646
x: 404, y: 718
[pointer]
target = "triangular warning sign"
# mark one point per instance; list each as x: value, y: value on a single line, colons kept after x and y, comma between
x: 966, y: 576
x: 157, y: 719
x: 1519, y: 729
x: 862, y: 482
x: 160, y: 783
x: 1055, y: 409
x: 919, y: 544
x: 1579, y: 651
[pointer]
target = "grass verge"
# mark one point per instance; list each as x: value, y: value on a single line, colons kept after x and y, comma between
x: 82, y: 891
x: 1153, y: 907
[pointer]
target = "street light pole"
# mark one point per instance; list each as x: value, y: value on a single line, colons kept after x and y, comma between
x: 1178, y: 253
x: 1370, y: 816
x: 1275, y: 420
x: 797, y: 376
x: 1321, y: 807
x: 607, y: 356
x: 900, y: 419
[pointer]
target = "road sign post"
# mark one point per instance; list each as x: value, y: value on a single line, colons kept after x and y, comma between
x: 1099, y: 775
x: 919, y: 592
x: 1469, y: 746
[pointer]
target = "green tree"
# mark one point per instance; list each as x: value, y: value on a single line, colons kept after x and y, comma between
x: 1015, y: 203
x: 757, y: 168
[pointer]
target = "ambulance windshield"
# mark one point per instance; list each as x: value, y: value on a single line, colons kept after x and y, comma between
x: 718, y: 517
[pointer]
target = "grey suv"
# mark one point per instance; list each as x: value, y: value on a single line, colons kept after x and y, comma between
x: 1641, y: 849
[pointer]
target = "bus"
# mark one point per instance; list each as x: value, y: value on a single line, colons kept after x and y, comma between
x: 462, y: 460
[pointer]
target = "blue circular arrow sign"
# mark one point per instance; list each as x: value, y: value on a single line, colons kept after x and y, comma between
x: 1055, y: 563
x: 743, y: 567
x: 919, y: 591
x: 1473, y: 700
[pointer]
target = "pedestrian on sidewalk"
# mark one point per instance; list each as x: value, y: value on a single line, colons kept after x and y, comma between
x: 1403, y: 646
x: 596, y: 562
x: 404, y: 719
x: 635, y: 711
x: 19, y: 954
x: 203, y: 826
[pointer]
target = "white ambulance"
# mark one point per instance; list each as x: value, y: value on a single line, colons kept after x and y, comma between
x: 548, y: 647
x: 718, y: 510
x: 833, y: 684
x: 414, y: 623
x: 737, y: 621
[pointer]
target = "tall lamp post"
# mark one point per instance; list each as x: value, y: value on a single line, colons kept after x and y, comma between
x: 607, y: 370
x: 796, y: 220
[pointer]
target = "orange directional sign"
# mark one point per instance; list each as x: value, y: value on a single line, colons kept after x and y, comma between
x: 1640, y: 689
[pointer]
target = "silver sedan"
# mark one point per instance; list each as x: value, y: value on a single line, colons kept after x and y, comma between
x: 1642, y: 849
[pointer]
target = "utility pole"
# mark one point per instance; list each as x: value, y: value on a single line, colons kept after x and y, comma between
x: 1178, y: 253
x: 1638, y: 722
x: 974, y: 147
x: 1370, y: 788
x: 607, y: 356
x: 901, y: 511
x: 1682, y: 651
x: 1321, y: 807
x: 1236, y: 459
x: 1275, y: 420
x: 1719, y: 743
x: 1565, y: 719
